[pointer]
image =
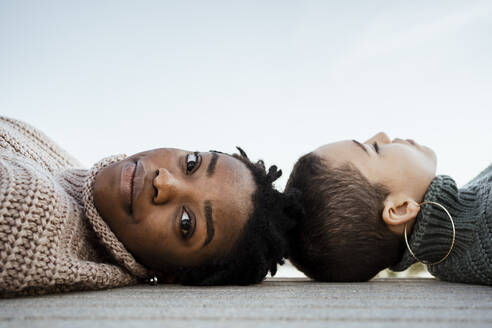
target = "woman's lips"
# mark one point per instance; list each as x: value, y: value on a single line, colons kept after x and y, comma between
x: 126, y: 184
x: 406, y: 142
x: 138, y: 181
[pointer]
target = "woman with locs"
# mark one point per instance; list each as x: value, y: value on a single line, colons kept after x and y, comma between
x: 203, y: 218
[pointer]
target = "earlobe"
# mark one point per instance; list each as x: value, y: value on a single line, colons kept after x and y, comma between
x: 399, y: 210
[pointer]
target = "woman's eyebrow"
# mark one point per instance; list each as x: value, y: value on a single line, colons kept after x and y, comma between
x: 212, y: 163
x: 207, y: 205
x: 361, y: 146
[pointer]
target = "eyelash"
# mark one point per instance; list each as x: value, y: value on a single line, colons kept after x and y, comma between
x: 187, y: 222
x: 196, y: 162
x: 376, y: 147
x: 186, y: 229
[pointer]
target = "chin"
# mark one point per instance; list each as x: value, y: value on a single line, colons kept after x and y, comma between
x: 432, y: 155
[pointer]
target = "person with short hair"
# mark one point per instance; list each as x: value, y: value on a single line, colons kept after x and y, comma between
x: 201, y: 218
x: 379, y: 204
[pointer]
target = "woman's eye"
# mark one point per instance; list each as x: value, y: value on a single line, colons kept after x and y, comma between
x: 186, y: 225
x: 376, y: 147
x: 192, y: 162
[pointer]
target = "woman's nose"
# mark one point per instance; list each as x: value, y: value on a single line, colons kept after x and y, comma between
x: 381, y: 138
x: 166, y: 186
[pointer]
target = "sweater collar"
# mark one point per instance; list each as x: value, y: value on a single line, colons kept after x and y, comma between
x: 102, y: 229
x: 432, y: 233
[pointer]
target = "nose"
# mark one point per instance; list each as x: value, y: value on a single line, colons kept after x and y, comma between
x: 380, y: 138
x: 166, y: 186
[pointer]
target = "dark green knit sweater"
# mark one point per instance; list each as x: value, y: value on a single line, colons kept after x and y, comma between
x: 471, y: 208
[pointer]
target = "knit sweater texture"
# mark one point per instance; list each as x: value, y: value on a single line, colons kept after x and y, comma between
x: 470, y: 260
x: 52, y: 238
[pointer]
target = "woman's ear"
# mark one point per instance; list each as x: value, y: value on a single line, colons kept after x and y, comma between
x: 398, y: 211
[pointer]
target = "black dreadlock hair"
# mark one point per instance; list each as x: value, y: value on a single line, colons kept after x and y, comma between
x: 263, y: 242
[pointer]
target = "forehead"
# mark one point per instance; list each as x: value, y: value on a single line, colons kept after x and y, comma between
x: 341, y: 152
x: 230, y: 191
x: 233, y: 170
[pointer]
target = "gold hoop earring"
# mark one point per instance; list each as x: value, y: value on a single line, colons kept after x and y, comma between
x: 452, y: 242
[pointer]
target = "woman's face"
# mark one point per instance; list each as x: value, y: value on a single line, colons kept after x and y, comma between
x: 172, y: 207
x: 403, y: 166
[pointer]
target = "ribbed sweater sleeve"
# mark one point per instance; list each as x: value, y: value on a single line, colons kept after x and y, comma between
x: 46, y: 243
x: 470, y: 260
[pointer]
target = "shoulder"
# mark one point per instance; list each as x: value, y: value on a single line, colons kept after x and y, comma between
x: 484, y: 178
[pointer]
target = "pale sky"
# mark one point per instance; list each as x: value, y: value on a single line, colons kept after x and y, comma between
x: 278, y: 78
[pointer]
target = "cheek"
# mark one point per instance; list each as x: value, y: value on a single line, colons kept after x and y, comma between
x: 420, y: 163
x: 149, y: 237
x: 158, y: 227
x: 409, y: 168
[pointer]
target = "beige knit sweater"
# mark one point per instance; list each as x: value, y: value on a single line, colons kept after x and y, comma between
x: 51, y: 237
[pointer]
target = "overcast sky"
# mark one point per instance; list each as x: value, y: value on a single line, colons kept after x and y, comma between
x: 278, y: 78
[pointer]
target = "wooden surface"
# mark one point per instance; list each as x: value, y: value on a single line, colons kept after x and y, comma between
x: 277, y: 302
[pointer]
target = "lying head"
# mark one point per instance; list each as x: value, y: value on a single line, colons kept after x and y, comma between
x: 357, y: 198
x: 200, y: 217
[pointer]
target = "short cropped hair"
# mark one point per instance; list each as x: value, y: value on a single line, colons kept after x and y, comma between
x: 341, y: 235
x: 263, y: 242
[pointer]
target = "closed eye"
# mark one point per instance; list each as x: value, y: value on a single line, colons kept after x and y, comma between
x: 376, y: 147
